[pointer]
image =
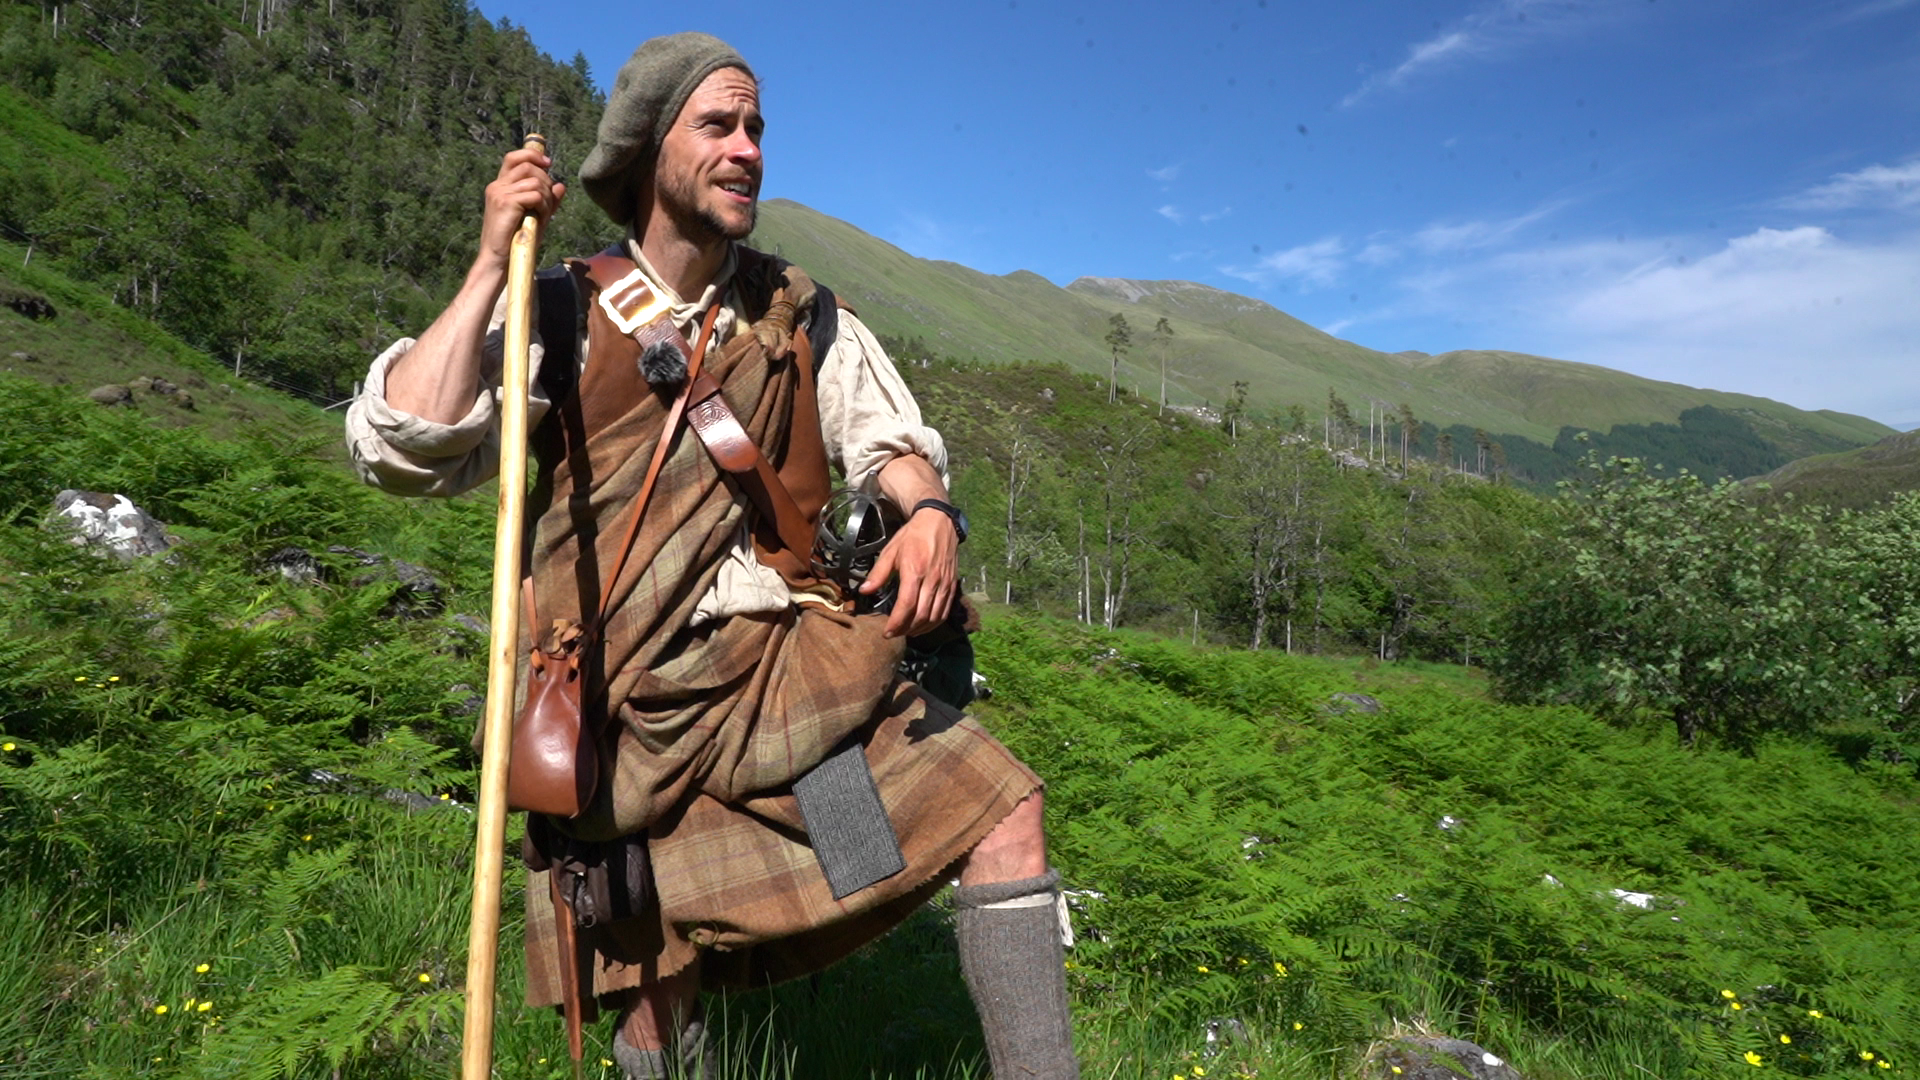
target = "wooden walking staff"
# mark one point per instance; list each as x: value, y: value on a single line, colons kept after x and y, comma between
x: 483, y: 935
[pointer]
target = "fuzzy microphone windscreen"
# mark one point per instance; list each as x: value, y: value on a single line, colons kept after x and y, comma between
x: 663, y: 363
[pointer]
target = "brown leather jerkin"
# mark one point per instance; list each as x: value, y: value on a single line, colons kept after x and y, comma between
x: 554, y: 765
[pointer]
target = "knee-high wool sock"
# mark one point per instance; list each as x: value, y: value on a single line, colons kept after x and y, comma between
x: 695, y: 1062
x: 1010, y: 955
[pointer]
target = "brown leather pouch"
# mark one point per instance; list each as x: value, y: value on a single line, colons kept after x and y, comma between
x: 555, y: 764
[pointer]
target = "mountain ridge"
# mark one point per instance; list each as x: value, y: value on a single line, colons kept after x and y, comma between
x: 1221, y: 338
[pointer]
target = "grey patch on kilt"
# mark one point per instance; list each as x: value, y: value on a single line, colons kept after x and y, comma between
x: 663, y: 364
x: 846, y: 822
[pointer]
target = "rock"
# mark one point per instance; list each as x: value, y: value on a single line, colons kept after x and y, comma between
x: 184, y: 400
x: 111, y: 523
x: 1046, y: 394
x: 162, y: 386
x: 1346, y: 703
x: 140, y: 384
x: 296, y: 564
x: 23, y: 358
x: 467, y: 635
x: 1436, y: 1057
x: 31, y: 304
x: 471, y: 704
x: 194, y: 380
x: 111, y: 394
x: 418, y: 593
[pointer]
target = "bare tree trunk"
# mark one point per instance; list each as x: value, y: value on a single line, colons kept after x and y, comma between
x: 1085, y: 613
x: 1015, y: 484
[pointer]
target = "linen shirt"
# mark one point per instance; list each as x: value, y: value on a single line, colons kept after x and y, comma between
x: 867, y: 418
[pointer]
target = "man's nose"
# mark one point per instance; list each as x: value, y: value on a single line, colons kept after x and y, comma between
x: 742, y: 147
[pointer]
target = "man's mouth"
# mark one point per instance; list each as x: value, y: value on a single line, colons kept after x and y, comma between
x: 739, y: 188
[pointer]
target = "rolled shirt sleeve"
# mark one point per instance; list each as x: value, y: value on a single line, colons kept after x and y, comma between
x: 867, y: 415
x: 402, y: 453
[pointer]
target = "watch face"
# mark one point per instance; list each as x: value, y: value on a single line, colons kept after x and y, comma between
x: 960, y: 523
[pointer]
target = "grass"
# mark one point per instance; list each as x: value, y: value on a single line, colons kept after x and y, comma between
x: 91, y: 342
x: 204, y: 763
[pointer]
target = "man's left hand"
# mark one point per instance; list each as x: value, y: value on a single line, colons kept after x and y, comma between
x: 925, y: 556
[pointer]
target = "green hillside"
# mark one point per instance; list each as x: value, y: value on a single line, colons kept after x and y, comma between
x: 1852, y: 479
x: 1221, y: 338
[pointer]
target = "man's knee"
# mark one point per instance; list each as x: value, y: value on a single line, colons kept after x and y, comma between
x: 1015, y: 849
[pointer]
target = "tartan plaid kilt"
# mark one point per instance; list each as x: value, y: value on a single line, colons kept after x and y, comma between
x: 738, y: 887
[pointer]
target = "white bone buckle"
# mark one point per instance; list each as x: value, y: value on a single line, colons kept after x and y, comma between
x: 630, y: 303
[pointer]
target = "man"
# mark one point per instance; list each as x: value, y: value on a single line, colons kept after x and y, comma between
x: 727, y: 674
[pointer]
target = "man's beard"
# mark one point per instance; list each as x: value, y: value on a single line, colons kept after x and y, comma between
x: 696, y: 222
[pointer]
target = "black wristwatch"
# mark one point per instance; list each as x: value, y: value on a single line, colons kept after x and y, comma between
x: 958, y: 515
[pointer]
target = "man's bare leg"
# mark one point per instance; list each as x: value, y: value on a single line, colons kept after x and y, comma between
x: 658, y: 1024
x: 1015, y: 849
x: 1009, y: 932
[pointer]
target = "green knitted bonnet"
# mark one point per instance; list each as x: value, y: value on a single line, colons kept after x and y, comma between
x: 648, y: 94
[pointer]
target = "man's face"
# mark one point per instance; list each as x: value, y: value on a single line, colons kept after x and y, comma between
x: 707, y: 179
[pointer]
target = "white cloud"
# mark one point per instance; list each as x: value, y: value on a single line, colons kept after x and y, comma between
x: 1470, y: 235
x: 1318, y: 263
x: 1166, y: 175
x: 1493, y: 31
x: 1798, y: 314
x: 1334, y: 328
x: 1212, y: 216
x: 1896, y: 186
x: 1874, y: 8
x: 1377, y: 254
x: 1171, y: 213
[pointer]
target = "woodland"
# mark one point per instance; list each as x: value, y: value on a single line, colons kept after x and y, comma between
x: 1350, y: 730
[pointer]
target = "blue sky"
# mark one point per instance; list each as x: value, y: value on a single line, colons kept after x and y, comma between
x: 1723, y: 193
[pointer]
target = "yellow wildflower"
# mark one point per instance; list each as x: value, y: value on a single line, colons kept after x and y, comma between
x: 605, y: 1063
x: 1884, y: 1063
x: 424, y: 977
x: 79, y: 678
x: 203, y: 1006
x: 203, y: 969
x: 1737, y: 1005
x: 1198, y: 1071
x: 8, y: 747
x: 1728, y: 994
x: 189, y: 1004
x: 159, y: 1010
x: 306, y: 838
x: 1815, y: 1013
x: 1396, y: 1070
x: 1243, y: 961
x: 1753, y: 1058
x: 1866, y: 1055
x: 445, y: 795
x: 113, y: 678
x: 1179, y: 1076
x: 1297, y: 1025
x: 1784, y: 1039
x: 1279, y: 969
x: 1203, y: 969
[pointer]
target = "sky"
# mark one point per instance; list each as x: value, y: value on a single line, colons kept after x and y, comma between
x: 1721, y: 193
